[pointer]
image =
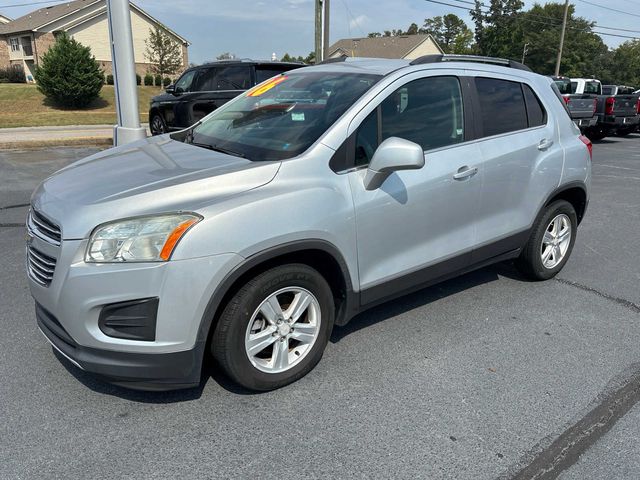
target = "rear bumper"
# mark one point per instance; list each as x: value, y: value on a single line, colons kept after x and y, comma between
x: 140, y: 371
x: 620, y: 122
x: 586, y: 122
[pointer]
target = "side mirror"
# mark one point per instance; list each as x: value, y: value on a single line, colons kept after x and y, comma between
x: 392, y: 154
x: 171, y: 89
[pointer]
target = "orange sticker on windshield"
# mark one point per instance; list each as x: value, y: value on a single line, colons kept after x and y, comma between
x: 265, y: 87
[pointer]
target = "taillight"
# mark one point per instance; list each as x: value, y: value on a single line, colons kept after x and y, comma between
x: 567, y: 100
x: 638, y: 107
x: 595, y: 105
x: 589, y: 145
x: 609, y: 106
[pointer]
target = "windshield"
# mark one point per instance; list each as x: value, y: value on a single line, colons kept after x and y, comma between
x: 282, y: 117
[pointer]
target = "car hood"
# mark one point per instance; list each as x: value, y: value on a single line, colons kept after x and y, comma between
x: 150, y: 176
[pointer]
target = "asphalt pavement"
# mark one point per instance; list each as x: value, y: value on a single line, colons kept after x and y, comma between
x: 484, y: 376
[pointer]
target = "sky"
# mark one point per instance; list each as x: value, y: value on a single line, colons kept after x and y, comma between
x: 256, y: 29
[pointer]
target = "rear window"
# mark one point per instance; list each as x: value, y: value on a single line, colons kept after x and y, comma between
x: 607, y: 90
x: 265, y: 72
x: 503, y: 106
x: 564, y: 86
x: 593, y: 87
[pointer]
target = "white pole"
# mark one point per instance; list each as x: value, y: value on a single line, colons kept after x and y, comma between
x: 124, y: 73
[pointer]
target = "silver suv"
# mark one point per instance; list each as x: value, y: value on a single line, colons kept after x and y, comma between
x: 310, y: 198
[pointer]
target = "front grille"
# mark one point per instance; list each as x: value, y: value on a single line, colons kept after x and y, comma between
x: 44, y: 228
x: 40, y: 266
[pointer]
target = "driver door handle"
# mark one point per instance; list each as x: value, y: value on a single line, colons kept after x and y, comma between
x: 544, y: 144
x: 465, y: 172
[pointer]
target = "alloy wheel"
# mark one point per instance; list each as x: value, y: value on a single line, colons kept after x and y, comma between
x: 556, y: 241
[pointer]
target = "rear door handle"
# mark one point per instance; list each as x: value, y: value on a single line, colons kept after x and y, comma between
x: 544, y: 144
x: 465, y: 172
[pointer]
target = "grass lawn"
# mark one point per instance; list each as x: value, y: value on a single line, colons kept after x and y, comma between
x: 22, y: 105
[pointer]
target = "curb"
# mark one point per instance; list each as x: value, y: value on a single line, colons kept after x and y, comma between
x: 57, y: 142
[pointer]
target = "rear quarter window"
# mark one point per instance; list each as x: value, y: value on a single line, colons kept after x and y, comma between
x: 536, y: 113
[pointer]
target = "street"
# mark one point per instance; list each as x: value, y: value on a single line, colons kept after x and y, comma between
x: 484, y: 376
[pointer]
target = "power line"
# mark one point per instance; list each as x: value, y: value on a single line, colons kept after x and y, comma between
x: 541, y: 22
x: 609, y: 8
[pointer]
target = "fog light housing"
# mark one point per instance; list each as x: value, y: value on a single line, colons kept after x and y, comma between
x: 131, y: 320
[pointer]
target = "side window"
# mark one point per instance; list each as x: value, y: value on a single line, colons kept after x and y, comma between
x: 574, y: 87
x: 367, y: 139
x: 502, y: 106
x: 427, y: 111
x: 184, y: 84
x: 205, y: 81
x: 535, y: 111
x: 233, y: 78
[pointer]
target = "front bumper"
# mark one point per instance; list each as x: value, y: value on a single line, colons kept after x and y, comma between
x: 140, y: 371
x: 69, y: 311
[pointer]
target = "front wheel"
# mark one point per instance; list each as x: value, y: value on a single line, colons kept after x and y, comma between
x: 157, y: 124
x: 551, y: 242
x: 275, y: 329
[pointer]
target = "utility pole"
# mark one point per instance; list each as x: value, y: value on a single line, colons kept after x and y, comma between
x: 525, y: 50
x: 564, y: 29
x: 124, y: 73
x: 318, y: 31
x: 325, y: 31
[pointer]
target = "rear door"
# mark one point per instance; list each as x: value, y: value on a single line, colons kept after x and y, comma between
x: 521, y: 161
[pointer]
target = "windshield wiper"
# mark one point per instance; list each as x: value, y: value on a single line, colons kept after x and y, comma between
x: 216, y: 148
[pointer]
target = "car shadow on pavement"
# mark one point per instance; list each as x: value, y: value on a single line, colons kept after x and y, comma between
x: 423, y: 297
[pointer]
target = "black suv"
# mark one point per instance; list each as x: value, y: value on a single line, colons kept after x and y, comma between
x: 200, y: 90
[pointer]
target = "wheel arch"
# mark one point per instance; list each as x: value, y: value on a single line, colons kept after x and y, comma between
x: 575, y: 193
x: 318, y: 254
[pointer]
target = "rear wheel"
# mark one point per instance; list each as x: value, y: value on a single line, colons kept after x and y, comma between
x: 623, y: 132
x: 596, y: 133
x: 551, y: 242
x: 157, y: 124
x: 275, y: 329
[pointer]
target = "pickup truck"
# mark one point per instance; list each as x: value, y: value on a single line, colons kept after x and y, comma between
x: 582, y: 106
x: 618, y: 109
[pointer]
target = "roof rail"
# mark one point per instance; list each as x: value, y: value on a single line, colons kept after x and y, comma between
x: 438, y: 58
x: 341, y: 58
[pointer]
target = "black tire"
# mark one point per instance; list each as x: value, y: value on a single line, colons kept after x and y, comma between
x: 530, y: 262
x: 596, y: 134
x: 228, y: 342
x: 623, y: 132
x: 157, y: 124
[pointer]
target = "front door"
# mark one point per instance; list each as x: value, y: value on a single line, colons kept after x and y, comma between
x: 420, y: 224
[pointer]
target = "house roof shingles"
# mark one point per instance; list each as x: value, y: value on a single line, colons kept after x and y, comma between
x: 42, y: 16
x: 378, y: 47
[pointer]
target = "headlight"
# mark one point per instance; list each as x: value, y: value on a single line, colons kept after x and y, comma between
x: 142, y: 239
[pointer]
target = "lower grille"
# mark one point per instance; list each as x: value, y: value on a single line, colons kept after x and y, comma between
x: 40, y: 266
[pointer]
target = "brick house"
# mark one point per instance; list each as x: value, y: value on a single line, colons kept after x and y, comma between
x: 24, y: 40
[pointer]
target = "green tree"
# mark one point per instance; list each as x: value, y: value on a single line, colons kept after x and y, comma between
x: 620, y: 66
x: 374, y: 35
x: 226, y: 56
x: 412, y: 30
x: 163, y: 52
x: 499, y: 30
x: 287, y: 58
x: 68, y: 74
x: 584, y: 52
x: 451, y: 33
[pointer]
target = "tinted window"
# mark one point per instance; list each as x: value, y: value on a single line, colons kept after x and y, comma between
x: 367, y: 139
x: 427, y: 111
x: 564, y: 86
x: 574, y: 87
x: 184, y: 84
x: 283, y: 117
x: 502, y: 105
x: 233, y: 78
x: 607, y: 90
x: 593, y: 87
x: 535, y: 111
x: 265, y: 72
x: 205, y: 81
